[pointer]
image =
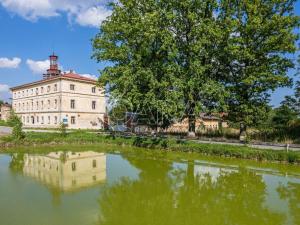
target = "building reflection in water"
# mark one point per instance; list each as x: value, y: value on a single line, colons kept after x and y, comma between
x: 67, y: 171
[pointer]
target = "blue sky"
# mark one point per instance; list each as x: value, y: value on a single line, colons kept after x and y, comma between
x: 32, y: 29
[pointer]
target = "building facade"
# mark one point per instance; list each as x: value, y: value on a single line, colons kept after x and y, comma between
x: 5, y: 110
x: 66, y: 98
x: 67, y: 171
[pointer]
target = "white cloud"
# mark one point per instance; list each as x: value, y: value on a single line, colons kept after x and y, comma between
x: 84, y: 12
x: 93, y: 16
x: 38, y: 67
x: 4, y: 88
x: 90, y: 76
x: 10, y: 63
x: 30, y: 9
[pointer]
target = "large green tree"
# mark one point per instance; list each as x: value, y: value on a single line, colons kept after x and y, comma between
x: 162, y: 55
x: 258, y: 35
x: 142, y: 72
x: 293, y: 102
x: 197, y: 35
x: 171, y: 58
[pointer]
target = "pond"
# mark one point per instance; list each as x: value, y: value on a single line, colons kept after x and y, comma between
x: 141, y: 188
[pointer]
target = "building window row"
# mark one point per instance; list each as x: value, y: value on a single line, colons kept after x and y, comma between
x: 35, y: 105
x: 37, y: 91
x: 39, y: 120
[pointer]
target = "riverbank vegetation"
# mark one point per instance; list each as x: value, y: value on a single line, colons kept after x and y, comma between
x: 165, y: 144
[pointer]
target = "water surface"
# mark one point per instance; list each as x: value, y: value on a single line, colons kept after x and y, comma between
x: 90, y: 187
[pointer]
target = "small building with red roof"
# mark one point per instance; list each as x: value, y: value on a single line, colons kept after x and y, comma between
x: 68, y: 98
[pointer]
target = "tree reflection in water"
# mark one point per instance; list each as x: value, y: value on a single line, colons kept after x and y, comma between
x: 291, y: 192
x: 164, y: 195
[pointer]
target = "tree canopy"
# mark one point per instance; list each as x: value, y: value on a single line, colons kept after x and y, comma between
x: 174, y: 59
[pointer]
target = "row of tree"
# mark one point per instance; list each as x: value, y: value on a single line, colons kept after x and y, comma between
x: 173, y: 59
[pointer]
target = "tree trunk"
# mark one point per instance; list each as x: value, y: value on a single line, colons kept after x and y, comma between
x: 190, y: 173
x: 243, y: 132
x: 192, y: 125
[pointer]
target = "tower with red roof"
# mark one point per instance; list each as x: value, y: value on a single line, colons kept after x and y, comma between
x: 53, y: 71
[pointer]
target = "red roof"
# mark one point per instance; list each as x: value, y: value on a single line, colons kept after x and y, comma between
x: 69, y: 75
x: 77, y: 76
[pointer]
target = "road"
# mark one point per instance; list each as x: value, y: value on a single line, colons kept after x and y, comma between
x: 5, y: 130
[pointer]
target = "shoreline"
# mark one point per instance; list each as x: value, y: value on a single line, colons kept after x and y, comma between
x: 164, y: 144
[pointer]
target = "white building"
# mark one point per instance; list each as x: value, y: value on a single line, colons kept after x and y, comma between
x: 67, y: 171
x: 60, y: 97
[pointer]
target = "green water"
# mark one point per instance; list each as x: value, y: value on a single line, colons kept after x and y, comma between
x: 142, y: 188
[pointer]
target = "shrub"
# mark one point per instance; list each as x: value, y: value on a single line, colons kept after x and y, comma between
x: 292, y: 157
x: 15, y: 121
x: 63, y: 129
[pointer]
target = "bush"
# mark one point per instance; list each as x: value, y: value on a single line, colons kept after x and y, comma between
x: 15, y: 121
x: 63, y: 129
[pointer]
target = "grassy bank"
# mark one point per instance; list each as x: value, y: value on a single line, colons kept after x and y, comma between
x: 5, y: 123
x: 79, y: 138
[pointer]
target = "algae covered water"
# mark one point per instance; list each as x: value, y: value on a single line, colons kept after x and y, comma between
x: 90, y: 187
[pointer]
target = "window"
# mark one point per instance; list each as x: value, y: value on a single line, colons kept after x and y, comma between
x: 72, y: 119
x: 48, y: 119
x: 27, y: 119
x: 48, y: 104
x: 73, y: 166
x: 94, y: 163
x: 42, y: 103
x: 55, y: 87
x: 27, y: 106
x: 36, y: 91
x: 37, y: 119
x: 55, y: 103
x: 22, y: 93
x: 72, y: 104
x: 32, y: 105
x: 37, y: 105
x: 55, y: 119
x: 72, y: 87
x: 42, y: 90
x: 42, y: 120
x: 93, y: 104
x: 48, y: 88
x: 94, y: 89
x: 23, y: 106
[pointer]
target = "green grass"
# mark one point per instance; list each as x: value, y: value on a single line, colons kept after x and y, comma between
x: 81, y: 137
x: 4, y: 123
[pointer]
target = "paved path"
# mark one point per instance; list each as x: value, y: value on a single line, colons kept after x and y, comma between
x: 260, y: 146
x: 5, y: 130
x: 41, y: 131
